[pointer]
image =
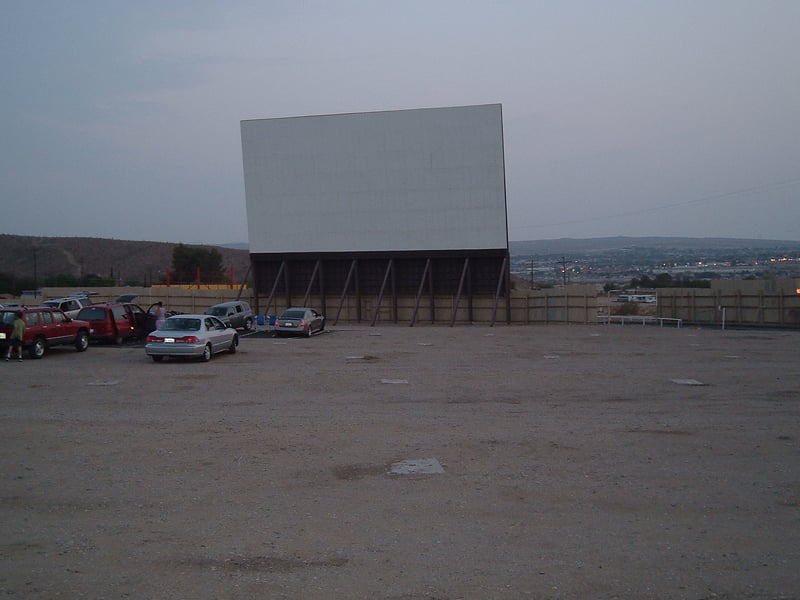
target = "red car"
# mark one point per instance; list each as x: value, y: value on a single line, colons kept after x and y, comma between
x: 117, y: 321
x: 44, y: 327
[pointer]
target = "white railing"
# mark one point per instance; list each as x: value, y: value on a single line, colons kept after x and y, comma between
x: 637, y: 319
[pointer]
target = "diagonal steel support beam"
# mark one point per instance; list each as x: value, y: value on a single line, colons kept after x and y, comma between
x: 344, y: 291
x: 499, y: 289
x: 275, y: 286
x: 311, y: 283
x: 419, y: 292
x: 464, y: 272
x: 389, y: 269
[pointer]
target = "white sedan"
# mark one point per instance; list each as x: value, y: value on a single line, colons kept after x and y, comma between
x: 199, y: 336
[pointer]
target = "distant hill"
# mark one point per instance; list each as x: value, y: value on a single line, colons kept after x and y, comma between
x: 589, y: 246
x: 21, y: 256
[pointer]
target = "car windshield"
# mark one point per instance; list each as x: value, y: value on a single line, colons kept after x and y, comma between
x: 217, y: 311
x: 181, y: 324
x: 293, y: 314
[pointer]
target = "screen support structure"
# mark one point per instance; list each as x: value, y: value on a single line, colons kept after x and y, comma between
x: 456, y: 280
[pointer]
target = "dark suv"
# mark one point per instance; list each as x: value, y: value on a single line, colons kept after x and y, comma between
x: 44, y: 327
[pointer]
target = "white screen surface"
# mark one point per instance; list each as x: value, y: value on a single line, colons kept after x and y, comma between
x: 426, y: 179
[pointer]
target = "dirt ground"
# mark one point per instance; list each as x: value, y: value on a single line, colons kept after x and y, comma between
x: 578, y: 462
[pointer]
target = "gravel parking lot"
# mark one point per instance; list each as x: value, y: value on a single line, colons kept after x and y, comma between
x: 577, y: 462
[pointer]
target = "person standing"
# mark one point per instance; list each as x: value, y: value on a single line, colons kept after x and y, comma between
x: 161, y: 314
x: 17, y: 333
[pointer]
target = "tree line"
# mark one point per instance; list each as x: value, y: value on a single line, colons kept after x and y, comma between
x: 662, y: 280
x: 665, y: 280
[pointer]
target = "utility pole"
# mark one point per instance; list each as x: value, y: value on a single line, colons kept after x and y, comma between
x: 35, y: 271
x: 564, y: 269
x: 531, y: 268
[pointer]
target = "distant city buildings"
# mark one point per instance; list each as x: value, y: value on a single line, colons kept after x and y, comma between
x: 623, y: 265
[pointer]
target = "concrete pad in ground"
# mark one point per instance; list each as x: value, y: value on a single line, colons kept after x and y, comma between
x: 417, y: 466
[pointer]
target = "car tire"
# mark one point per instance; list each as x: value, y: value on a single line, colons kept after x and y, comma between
x: 248, y: 324
x: 82, y: 341
x: 157, y: 358
x: 118, y: 340
x: 38, y: 348
x: 207, y: 353
x: 234, y: 344
x: 308, y: 331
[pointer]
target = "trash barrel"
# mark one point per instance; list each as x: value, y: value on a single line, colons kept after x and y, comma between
x: 260, y: 320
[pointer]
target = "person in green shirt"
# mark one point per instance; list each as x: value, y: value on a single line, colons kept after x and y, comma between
x: 17, y: 333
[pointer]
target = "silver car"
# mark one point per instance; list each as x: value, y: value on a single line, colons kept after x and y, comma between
x: 199, y: 336
x: 299, y: 321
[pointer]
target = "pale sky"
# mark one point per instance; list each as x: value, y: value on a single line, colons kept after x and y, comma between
x: 636, y: 118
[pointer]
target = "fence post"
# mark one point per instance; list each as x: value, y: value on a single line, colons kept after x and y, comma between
x: 546, y: 308
x: 527, y: 309
x: 586, y: 309
x: 738, y: 303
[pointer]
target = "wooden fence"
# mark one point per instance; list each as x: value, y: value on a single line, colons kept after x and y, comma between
x: 737, y: 308
x: 573, y: 304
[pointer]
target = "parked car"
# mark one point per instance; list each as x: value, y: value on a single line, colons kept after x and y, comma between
x: 12, y: 305
x: 238, y: 313
x: 199, y: 336
x: 116, y: 322
x: 45, y: 327
x: 126, y: 298
x: 299, y: 321
x: 70, y: 306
